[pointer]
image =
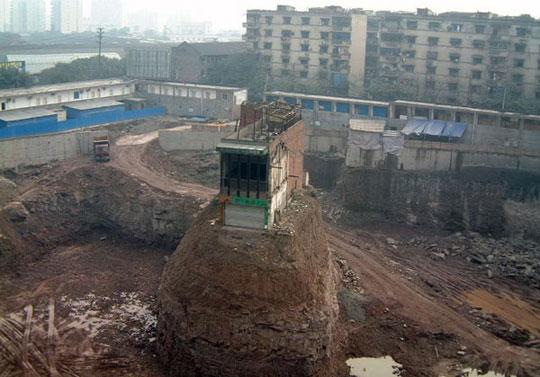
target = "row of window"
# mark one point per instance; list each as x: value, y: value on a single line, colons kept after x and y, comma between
x: 337, y: 37
x: 452, y: 27
x: 288, y: 20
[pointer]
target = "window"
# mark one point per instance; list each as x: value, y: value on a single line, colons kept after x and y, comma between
x: 430, y: 84
x: 522, y: 32
x: 323, y: 62
x: 453, y: 72
x: 433, y: 41
x: 304, y: 74
x: 304, y: 61
x: 431, y: 70
x: 519, y: 63
x: 224, y: 96
x: 434, y: 25
x: 408, y: 68
x: 432, y: 55
x: 517, y: 78
x: 268, y: 20
x: 304, y: 47
x: 325, y: 35
x: 476, y: 60
x: 286, y: 33
x: 479, y: 29
x: 268, y: 33
x: 285, y: 59
x: 267, y: 58
x: 454, y: 58
x: 520, y: 47
x: 452, y: 86
x: 305, y: 34
x: 412, y: 25
x: 476, y: 89
x: 305, y: 20
x: 286, y: 46
x: 324, y: 49
x: 287, y: 20
x: 410, y: 39
x: 456, y: 28
x: 267, y: 45
x: 76, y: 95
x: 455, y: 42
x: 479, y: 44
x: 325, y: 21
x: 285, y: 72
x: 255, y: 45
x: 410, y: 54
x: 477, y: 75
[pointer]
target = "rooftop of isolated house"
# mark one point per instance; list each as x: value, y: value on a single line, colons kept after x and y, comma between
x: 259, y: 124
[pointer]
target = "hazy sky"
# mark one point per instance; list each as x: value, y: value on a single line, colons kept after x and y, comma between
x: 229, y: 14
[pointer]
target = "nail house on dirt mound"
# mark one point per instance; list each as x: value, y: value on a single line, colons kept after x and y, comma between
x: 262, y: 164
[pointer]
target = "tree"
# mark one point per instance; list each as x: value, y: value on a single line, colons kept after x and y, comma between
x: 14, y: 78
x: 83, y: 69
x: 244, y: 70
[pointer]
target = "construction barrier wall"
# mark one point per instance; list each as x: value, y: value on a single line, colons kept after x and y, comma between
x: 47, y: 127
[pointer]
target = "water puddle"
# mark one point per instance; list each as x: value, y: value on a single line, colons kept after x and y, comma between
x: 476, y: 373
x: 374, y: 367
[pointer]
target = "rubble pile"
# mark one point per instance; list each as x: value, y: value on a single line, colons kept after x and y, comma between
x: 511, y: 258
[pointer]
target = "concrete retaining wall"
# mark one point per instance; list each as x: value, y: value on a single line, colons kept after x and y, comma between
x: 188, y: 138
x: 40, y: 150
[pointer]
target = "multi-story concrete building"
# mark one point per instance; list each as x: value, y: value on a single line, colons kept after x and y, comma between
x: 28, y: 16
x: 187, y: 62
x: 5, y: 15
x: 67, y: 16
x: 450, y: 57
x: 455, y: 57
x: 322, y: 43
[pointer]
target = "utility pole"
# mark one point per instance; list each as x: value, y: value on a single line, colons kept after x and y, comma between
x: 100, y: 33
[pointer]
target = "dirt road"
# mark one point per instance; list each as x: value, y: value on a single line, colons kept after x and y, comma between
x: 400, y: 288
x: 127, y: 156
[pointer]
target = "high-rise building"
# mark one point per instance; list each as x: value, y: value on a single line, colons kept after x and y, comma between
x: 67, y: 16
x: 323, y: 43
x: 107, y: 13
x: 5, y: 13
x: 28, y: 16
x: 454, y: 57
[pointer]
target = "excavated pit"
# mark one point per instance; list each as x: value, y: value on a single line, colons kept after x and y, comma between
x: 237, y: 302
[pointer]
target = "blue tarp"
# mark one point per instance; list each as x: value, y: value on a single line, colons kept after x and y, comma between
x: 434, y: 129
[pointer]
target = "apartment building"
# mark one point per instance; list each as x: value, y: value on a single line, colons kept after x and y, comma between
x: 322, y: 43
x: 28, y: 16
x: 451, y: 57
x: 455, y: 57
x: 5, y: 16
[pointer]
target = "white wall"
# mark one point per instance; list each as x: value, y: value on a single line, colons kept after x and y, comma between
x: 40, y: 150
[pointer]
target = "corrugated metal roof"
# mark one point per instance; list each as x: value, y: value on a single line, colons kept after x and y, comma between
x: 218, y: 48
x: 58, y: 87
x: 367, y: 125
x: 15, y: 115
x: 193, y: 86
x: 93, y: 104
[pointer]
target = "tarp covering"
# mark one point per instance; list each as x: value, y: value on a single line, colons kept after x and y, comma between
x: 434, y: 129
x: 393, y: 144
x: 368, y: 141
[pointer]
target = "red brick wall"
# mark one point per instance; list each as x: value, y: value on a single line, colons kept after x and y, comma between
x: 294, y: 140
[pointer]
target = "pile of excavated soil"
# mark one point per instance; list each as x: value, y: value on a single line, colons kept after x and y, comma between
x: 237, y: 302
x: 184, y: 166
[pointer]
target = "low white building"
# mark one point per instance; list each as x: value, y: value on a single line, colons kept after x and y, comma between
x: 59, y: 94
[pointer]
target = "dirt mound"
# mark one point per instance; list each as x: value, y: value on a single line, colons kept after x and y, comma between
x: 243, y: 303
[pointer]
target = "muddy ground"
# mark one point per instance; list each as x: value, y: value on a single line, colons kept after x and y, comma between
x: 405, y: 291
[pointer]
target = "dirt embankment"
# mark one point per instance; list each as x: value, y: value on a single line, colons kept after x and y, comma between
x: 243, y: 303
x: 91, y: 197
